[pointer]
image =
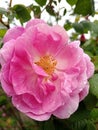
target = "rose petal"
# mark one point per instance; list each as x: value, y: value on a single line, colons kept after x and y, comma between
x: 46, y: 42
x: 42, y: 117
x: 6, y: 52
x: 62, y: 32
x: 23, y: 107
x: 4, y: 78
x: 90, y: 67
x: 68, y: 56
x: 13, y: 33
x: 68, y: 108
x: 84, y: 92
x: 33, y: 22
x: 20, y: 104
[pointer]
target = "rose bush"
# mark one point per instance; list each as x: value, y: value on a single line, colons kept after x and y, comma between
x: 43, y: 72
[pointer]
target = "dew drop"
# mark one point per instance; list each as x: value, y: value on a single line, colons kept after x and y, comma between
x: 84, y: 82
x: 17, y: 105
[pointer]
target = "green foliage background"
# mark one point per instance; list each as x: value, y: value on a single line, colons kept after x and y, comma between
x: 86, y: 117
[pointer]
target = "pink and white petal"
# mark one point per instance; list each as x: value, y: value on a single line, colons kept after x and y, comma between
x: 20, y: 104
x: 89, y: 65
x: 24, y: 45
x: 62, y: 32
x: 68, y: 108
x: 52, y: 102
x: 33, y: 23
x: 13, y: 33
x: 56, y: 32
x: 23, y: 107
x: 38, y: 70
x: 39, y: 27
x: 25, y: 54
x: 24, y: 77
x: 55, y: 98
x: 41, y: 117
x: 52, y: 33
x: 23, y: 58
x: 68, y: 56
x: 31, y: 101
x: 4, y: 79
x: 47, y: 41
x: 36, y: 107
x: 6, y: 52
x: 7, y: 87
x: 66, y: 88
x: 84, y: 92
x: 43, y: 44
x: 38, y: 91
x: 43, y: 41
x: 21, y: 74
x: 23, y: 81
x: 26, y: 81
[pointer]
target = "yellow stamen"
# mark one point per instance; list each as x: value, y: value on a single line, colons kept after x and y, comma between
x: 48, y: 63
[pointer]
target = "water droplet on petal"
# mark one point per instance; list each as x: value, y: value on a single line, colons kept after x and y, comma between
x: 17, y: 105
x: 85, y: 82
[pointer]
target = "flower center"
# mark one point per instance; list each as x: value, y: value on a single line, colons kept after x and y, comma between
x: 48, y: 63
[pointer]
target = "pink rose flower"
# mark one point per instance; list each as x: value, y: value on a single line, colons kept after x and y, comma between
x: 42, y: 72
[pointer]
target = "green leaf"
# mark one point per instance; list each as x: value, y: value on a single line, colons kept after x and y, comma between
x: 90, y: 101
x: 95, y: 61
x: 50, y: 10
x: 22, y: 13
x: 61, y: 124
x: 1, y: 42
x: 78, y: 27
x: 55, y: 2
x: 94, y: 85
x: 94, y: 26
x: 64, y: 11
x: 78, y: 125
x: 90, y: 126
x: 59, y: 1
x: 84, y: 7
x: 89, y: 46
x: 68, y: 25
x: 86, y: 25
x: 2, y: 32
x: 37, y: 11
x: 81, y: 119
x: 48, y: 125
x: 72, y: 2
x: 3, y: 10
x: 94, y: 114
x: 3, y: 100
x: 81, y: 114
x: 83, y: 26
x: 41, y: 2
